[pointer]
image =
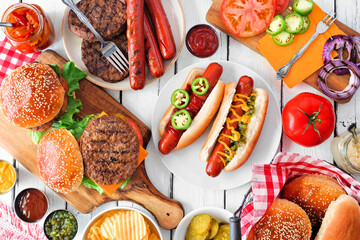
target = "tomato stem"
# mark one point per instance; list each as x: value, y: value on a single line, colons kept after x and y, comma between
x: 312, y: 120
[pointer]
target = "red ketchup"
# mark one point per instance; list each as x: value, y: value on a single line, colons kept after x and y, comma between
x: 31, y: 205
x: 202, y: 41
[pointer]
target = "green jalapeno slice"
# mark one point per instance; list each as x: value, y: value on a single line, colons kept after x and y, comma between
x: 200, y: 86
x: 181, y: 120
x: 180, y: 98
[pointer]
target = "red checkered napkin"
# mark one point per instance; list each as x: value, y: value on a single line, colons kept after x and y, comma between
x: 10, y: 58
x: 12, y: 228
x: 267, y: 181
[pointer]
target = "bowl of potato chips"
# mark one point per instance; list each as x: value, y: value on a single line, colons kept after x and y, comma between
x: 204, y: 223
x: 122, y: 223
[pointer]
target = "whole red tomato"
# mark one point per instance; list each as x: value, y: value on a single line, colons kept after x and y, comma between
x: 308, y: 119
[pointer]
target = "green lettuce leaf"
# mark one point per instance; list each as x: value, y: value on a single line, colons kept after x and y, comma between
x: 36, y: 136
x: 91, y: 184
x: 125, y: 183
x: 72, y: 76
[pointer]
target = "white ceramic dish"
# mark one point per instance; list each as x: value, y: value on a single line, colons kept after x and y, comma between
x: 151, y: 220
x: 221, y: 215
x: 185, y: 163
x: 72, y: 45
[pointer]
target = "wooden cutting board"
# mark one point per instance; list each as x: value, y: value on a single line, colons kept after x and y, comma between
x: 333, y: 81
x: 167, y: 212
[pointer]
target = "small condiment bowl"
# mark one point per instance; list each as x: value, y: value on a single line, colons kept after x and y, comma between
x: 220, y: 214
x: 150, y: 220
x: 194, y: 28
x: 17, y: 207
x: 53, y: 212
x: 16, y: 176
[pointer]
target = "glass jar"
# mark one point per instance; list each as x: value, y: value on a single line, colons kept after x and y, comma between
x: 33, y: 30
x: 346, y: 150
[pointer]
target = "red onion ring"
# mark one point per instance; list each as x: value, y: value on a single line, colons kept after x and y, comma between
x: 354, y: 81
x: 338, y: 43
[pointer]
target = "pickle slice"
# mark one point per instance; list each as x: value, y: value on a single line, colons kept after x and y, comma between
x: 201, y: 223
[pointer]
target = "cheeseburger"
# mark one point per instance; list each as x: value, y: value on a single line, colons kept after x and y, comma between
x: 33, y: 96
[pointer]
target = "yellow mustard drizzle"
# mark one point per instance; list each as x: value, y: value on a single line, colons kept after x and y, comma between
x: 235, y: 135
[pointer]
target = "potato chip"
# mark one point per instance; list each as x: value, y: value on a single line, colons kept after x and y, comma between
x: 153, y: 237
x: 121, y: 224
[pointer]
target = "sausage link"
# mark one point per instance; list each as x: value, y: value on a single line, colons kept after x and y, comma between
x: 152, y: 53
x: 136, y: 43
x: 215, y: 164
x: 163, y: 30
x: 172, y: 136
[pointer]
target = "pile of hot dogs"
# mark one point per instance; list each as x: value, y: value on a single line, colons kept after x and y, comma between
x: 142, y: 43
x: 236, y: 128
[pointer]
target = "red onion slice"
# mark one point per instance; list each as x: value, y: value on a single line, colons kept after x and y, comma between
x: 339, y: 43
x: 354, y: 81
x: 356, y: 42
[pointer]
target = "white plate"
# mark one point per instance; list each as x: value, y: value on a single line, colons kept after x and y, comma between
x: 220, y: 215
x: 185, y: 163
x: 72, y: 45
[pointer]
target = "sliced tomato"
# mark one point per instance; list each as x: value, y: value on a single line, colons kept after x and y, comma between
x: 135, y: 127
x: 281, y: 5
x: 246, y: 18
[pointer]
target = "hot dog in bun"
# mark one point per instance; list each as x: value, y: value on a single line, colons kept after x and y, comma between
x: 193, y: 107
x: 236, y: 128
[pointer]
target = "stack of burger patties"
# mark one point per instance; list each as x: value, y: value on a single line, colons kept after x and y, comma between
x: 312, y: 206
x: 108, y: 17
x: 35, y: 96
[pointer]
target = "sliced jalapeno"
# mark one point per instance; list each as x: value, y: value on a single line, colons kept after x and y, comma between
x: 283, y: 38
x: 180, y: 98
x: 306, y: 24
x: 294, y: 23
x: 181, y: 120
x: 200, y: 86
x: 276, y: 26
x: 303, y: 7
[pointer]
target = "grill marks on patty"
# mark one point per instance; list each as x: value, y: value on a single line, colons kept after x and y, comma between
x: 108, y: 17
x: 110, y: 150
x: 98, y: 65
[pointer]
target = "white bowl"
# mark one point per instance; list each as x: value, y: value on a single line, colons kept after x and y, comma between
x: 220, y: 215
x: 150, y: 219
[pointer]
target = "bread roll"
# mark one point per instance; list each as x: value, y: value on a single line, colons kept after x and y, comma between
x: 283, y: 220
x: 31, y: 95
x: 314, y: 193
x: 59, y: 161
x: 341, y: 221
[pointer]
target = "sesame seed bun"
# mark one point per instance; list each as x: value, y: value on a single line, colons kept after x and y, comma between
x: 31, y: 95
x: 314, y: 193
x: 283, y: 220
x: 59, y: 161
x: 342, y: 220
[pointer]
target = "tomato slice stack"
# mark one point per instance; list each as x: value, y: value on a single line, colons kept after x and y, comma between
x: 246, y: 18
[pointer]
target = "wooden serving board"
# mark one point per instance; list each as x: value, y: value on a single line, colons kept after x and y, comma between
x: 167, y: 212
x: 333, y: 81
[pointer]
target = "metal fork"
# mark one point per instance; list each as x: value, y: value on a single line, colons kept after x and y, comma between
x: 111, y: 52
x: 322, y: 27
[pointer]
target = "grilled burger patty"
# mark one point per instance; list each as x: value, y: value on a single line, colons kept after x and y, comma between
x: 98, y: 65
x: 110, y: 150
x: 108, y: 17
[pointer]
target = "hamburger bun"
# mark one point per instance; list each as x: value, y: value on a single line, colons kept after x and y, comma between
x: 314, y: 193
x: 341, y: 221
x: 32, y: 95
x: 283, y: 220
x: 110, y: 149
x: 204, y: 116
x: 59, y: 161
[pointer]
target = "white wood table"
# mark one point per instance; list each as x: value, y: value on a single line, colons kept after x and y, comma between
x: 141, y: 103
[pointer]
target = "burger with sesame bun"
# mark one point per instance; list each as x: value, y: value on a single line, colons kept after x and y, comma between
x: 33, y: 96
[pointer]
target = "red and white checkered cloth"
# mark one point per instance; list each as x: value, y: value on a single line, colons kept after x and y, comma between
x: 10, y: 58
x: 267, y: 181
x: 12, y: 228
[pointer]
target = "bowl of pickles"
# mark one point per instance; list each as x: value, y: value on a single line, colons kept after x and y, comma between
x: 203, y: 224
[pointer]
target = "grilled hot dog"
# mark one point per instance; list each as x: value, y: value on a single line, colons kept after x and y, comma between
x: 201, y: 108
x: 136, y: 43
x: 163, y: 30
x: 228, y: 146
